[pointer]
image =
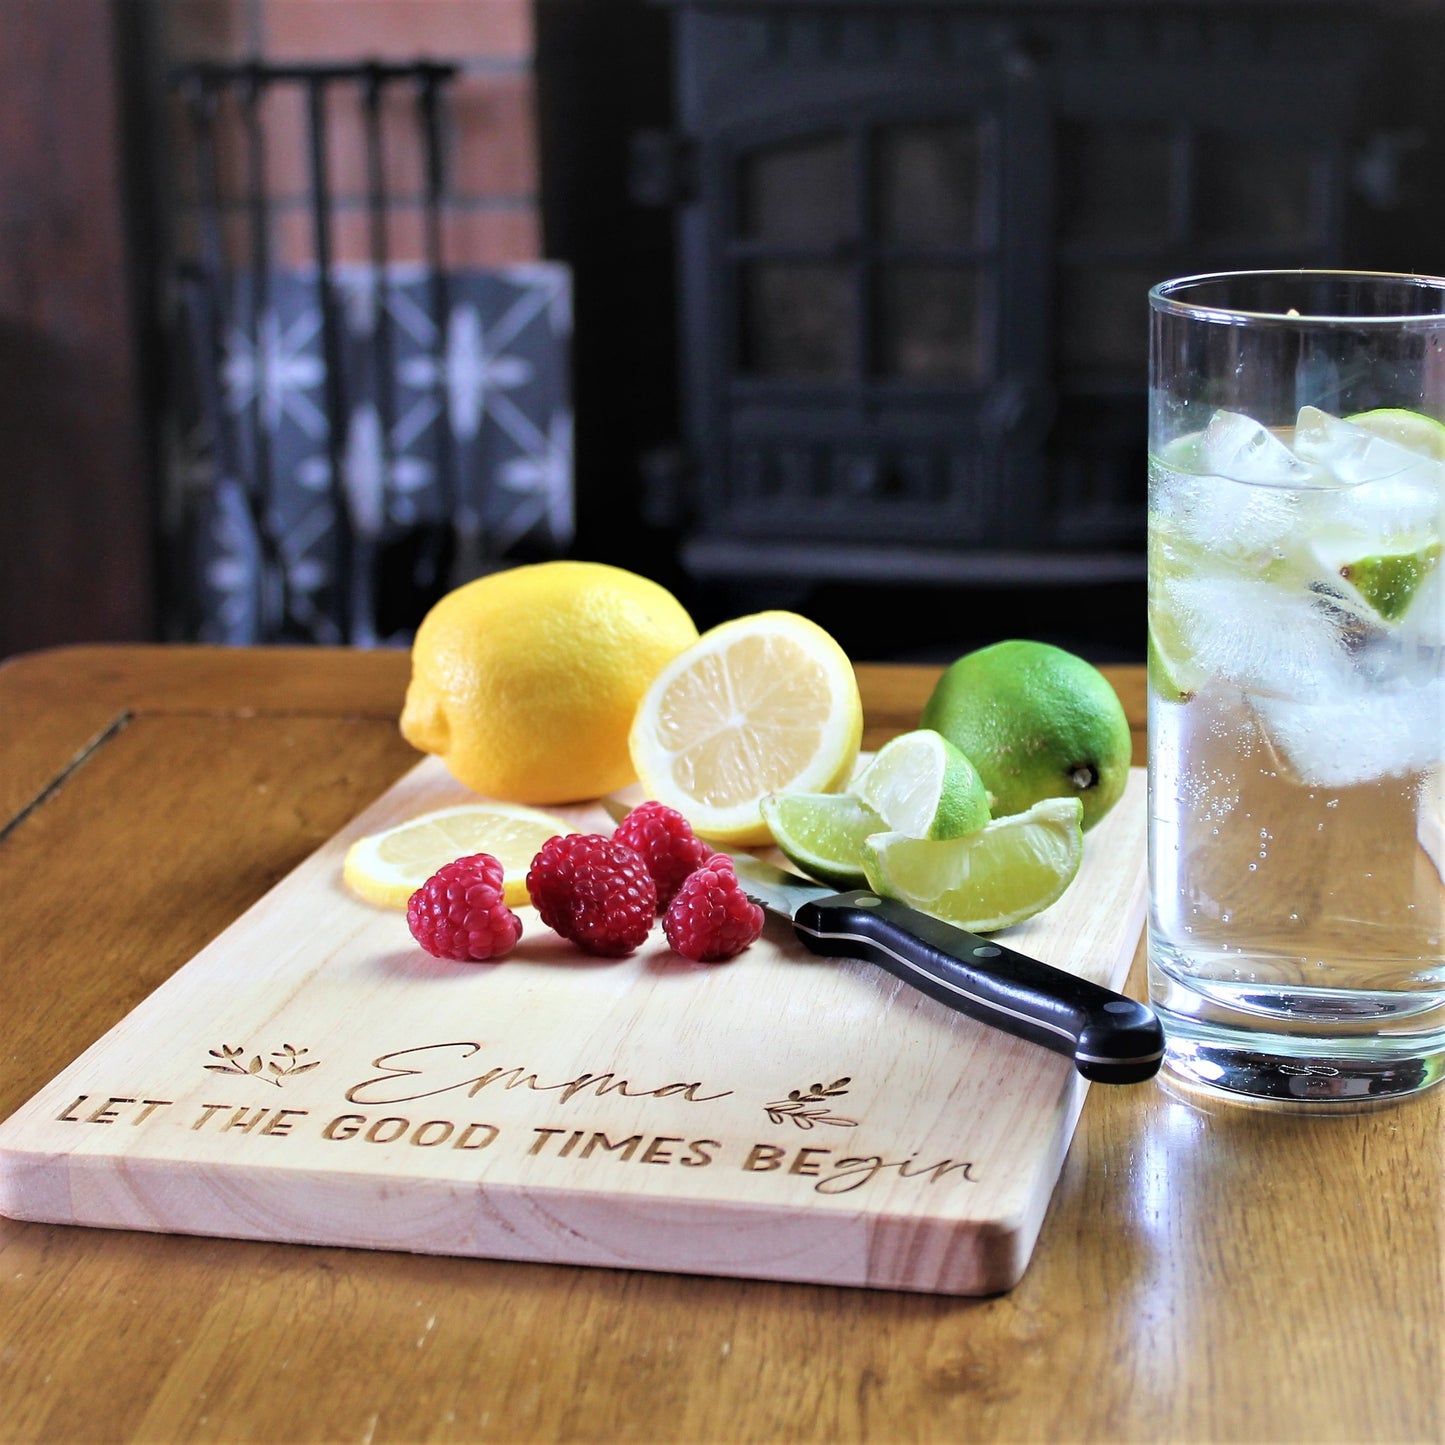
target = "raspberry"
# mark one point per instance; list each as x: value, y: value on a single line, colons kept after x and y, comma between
x: 458, y: 912
x: 667, y: 845
x: 594, y: 891
x: 711, y: 918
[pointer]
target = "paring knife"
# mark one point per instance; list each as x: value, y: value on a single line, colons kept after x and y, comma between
x: 1111, y: 1039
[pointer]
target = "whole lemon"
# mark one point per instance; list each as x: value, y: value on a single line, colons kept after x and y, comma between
x: 525, y: 682
x: 1036, y: 721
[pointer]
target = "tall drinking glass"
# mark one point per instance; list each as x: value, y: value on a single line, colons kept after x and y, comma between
x: 1296, y: 686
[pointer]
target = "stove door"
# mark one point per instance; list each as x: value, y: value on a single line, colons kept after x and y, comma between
x: 865, y: 312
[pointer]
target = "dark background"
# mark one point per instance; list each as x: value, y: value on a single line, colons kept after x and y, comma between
x: 604, y: 77
x: 81, y: 363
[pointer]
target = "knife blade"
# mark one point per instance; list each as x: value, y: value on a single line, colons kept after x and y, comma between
x: 1111, y: 1039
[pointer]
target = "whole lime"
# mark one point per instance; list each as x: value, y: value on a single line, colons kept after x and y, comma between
x: 1037, y: 722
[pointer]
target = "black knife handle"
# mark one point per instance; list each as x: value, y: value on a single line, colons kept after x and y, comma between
x: 1111, y: 1039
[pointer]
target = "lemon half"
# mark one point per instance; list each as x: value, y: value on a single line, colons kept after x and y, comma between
x: 766, y: 703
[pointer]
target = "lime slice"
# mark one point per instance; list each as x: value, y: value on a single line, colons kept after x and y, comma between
x: 1389, y: 583
x: 1389, y: 578
x: 1009, y: 870
x: 1173, y: 675
x: 1408, y: 429
x: 823, y: 833
x: 922, y: 785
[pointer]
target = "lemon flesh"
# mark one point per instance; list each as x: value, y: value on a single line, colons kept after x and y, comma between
x: 920, y: 784
x: 1006, y: 872
x: 823, y: 833
x: 766, y: 703
x: 386, y: 868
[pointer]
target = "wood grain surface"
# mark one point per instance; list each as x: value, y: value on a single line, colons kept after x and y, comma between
x: 561, y: 1108
x: 1229, y: 1275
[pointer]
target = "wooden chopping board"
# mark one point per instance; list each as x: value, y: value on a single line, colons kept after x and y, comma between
x: 312, y: 1077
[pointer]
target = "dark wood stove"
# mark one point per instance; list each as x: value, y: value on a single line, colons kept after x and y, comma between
x: 914, y: 239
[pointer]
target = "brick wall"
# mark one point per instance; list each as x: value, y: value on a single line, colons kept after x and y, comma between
x: 490, y: 132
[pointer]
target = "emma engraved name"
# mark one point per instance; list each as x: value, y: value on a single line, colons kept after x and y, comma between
x: 432, y: 1069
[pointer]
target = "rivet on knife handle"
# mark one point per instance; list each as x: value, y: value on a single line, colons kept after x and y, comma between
x: 1111, y: 1039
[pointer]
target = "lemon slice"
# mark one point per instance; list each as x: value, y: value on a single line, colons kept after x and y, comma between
x: 922, y: 785
x: 823, y: 833
x: 766, y: 703
x: 387, y: 868
x: 1009, y: 870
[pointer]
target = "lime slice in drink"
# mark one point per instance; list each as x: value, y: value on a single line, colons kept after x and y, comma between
x: 1389, y: 582
x: 1006, y: 872
x: 922, y: 785
x: 1380, y: 540
x: 1173, y: 675
x: 823, y: 833
x: 1409, y: 429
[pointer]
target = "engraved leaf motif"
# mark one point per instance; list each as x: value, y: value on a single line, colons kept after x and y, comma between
x: 794, y: 1109
x: 269, y: 1070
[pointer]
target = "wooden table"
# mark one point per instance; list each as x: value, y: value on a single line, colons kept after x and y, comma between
x: 1231, y: 1275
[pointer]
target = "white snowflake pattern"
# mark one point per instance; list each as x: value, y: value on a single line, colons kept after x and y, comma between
x: 543, y: 477
x: 473, y: 370
x: 476, y: 375
x: 371, y: 485
x: 278, y: 370
x: 250, y: 602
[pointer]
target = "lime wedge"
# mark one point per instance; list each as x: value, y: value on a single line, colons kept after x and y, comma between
x: 1172, y: 675
x: 1408, y: 429
x: 922, y: 785
x: 1389, y: 583
x: 1009, y: 870
x: 823, y: 833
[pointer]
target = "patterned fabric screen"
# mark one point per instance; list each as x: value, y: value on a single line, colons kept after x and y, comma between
x: 453, y: 451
